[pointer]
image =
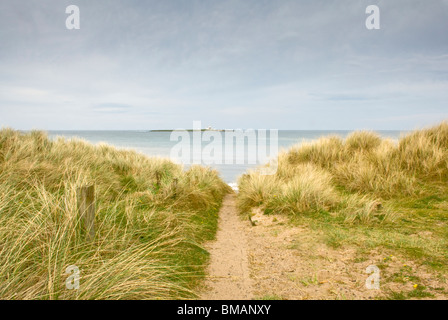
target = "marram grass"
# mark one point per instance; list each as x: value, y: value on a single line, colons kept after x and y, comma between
x: 148, y: 231
x: 352, y: 178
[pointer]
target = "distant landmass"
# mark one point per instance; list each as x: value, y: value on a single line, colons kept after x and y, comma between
x: 190, y: 130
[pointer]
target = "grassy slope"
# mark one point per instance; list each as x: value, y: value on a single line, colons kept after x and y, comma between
x: 368, y: 193
x: 147, y: 243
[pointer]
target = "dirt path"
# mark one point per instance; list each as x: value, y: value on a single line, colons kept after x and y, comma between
x: 228, y: 273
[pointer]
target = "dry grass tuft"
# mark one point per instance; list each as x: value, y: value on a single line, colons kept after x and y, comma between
x: 349, y: 176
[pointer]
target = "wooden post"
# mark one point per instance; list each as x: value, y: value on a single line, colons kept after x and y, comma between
x: 175, y: 187
x: 158, y: 178
x: 86, y: 207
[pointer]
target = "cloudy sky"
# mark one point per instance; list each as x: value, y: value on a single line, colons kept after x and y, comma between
x: 231, y: 64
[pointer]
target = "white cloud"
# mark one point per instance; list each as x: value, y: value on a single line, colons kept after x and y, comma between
x: 285, y: 64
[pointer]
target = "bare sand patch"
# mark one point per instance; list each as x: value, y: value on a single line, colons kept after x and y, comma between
x: 293, y: 263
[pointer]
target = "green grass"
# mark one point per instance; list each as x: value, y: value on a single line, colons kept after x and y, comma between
x: 418, y: 293
x: 400, y: 236
x: 149, y: 229
x: 404, y: 275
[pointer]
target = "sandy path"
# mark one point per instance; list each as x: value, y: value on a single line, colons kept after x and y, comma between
x: 228, y: 273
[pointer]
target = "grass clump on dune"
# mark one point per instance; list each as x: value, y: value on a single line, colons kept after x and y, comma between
x: 370, y: 192
x: 151, y: 218
x: 307, y: 189
x: 321, y: 175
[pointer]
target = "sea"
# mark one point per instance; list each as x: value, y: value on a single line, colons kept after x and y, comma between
x: 162, y: 144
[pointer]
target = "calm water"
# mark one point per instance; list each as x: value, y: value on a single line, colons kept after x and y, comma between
x: 159, y: 143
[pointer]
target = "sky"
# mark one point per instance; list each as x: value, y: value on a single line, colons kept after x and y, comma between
x: 141, y: 65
